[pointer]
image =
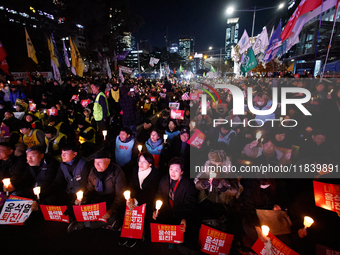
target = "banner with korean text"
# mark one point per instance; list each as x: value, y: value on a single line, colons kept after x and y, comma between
x: 327, y: 196
x: 161, y: 233
x: 54, y: 213
x: 134, y: 222
x: 93, y: 212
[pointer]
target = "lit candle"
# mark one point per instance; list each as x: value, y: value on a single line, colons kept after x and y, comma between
x: 127, y: 194
x: 265, y: 230
x: 159, y: 204
x: 80, y: 195
x: 36, y: 191
x: 307, y: 222
x: 140, y: 147
x: 330, y: 92
x: 212, y: 176
x: 258, y: 135
x: 165, y: 137
x: 6, y: 182
x: 281, y: 119
x: 104, y: 134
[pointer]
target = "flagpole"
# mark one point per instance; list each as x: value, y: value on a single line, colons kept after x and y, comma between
x: 252, y: 31
x: 330, y: 40
x: 317, y: 40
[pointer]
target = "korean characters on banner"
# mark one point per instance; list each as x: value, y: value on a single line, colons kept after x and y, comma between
x: 15, y: 212
x: 153, y: 99
x: 133, y: 222
x: 194, y: 96
x: 52, y: 112
x: 323, y: 250
x: 32, y: 107
x: 277, y: 247
x: 92, y: 212
x: 327, y: 196
x: 177, y: 114
x: 213, y: 241
x: 161, y: 233
x: 174, y: 106
x: 197, y: 139
x: 54, y: 213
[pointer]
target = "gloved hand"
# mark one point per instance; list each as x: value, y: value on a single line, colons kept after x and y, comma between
x: 205, y: 183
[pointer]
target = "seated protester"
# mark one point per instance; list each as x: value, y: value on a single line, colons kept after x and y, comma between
x: 41, y: 171
x: 9, y: 116
x: 144, y: 134
x: 60, y: 126
x: 266, y: 153
x: 143, y: 186
x: 106, y: 183
x: 74, y: 117
x: 217, y: 193
x: 223, y: 138
x: 163, y: 121
x: 34, y: 121
x: 154, y: 145
x: 15, y: 135
x: 32, y: 136
x: 266, y: 194
x: 89, y: 118
x: 282, y: 138
x: 125, y: 151
x: 87, y: 134
x: 315, y: 147
x: 56, y: 140
x: 172, y: 129
x: 16, y: 94
x: 179, y: 147
x: 72, y: 174
x: 179, y: 202
x: 12, y: 167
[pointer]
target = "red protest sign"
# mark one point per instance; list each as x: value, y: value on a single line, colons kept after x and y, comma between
x: 32, y: 107
x: 84, y: 102
x: 177, y: 114
x: 161, y: 233
x: 153, y: 99
x: 213, y: 241
x: 93, y: 212
x: 54, y: 213
x: 327, y: 196
x: 107, y: 93
x: 164, y: 90
x: 133, y: 222
x: 277, y: 247
x: 197, y: 139
x: 52, y: 112
x: 194, y: 96
x: 75, y: 97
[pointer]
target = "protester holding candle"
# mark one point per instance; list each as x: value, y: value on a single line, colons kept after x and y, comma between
x: 179, y: 202
x: 154, y: 145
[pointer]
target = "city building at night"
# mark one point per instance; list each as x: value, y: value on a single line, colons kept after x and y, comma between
x: 231, y: 38
x: 186, y: 47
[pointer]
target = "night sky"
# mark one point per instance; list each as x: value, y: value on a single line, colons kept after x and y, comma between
x: 205, y: 20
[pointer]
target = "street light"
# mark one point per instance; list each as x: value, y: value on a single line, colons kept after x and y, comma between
x: 210, y: 48
x: 231, y: 9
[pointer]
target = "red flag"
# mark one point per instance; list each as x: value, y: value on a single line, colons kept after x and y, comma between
x: 4, y: 66
x: 304, y: 7
x: 3, y: 53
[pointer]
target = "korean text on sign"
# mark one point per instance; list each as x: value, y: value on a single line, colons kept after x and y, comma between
x: 327, y: 196
x: 197, y: 139
x: 54, y: 213
x: 15, y: 211
x: 134, y: 222
x: 93, y: 212
x: 166, y: 233
x: 213, y: 241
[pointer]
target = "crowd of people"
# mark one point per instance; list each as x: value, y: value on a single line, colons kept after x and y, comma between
x: 104, y: 137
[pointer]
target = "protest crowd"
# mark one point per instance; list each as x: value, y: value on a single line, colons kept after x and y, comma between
x: 103, y: 137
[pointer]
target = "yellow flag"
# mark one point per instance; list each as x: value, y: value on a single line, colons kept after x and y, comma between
x: 30, y: 48
x: 53, y: 55
x: 291, y: 68
x: 77, y: 60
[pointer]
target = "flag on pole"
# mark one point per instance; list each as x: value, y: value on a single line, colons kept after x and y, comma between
x: 77, y: 61
x: 304, y: 7
x: 4, y: 66
x: 249, y: 62
x: 212, y: 69
x: 121, y: 56
x: 56, y: 73
x: 244, y: 42
x: 291, y: 67
x: 56, y: 52
x: 261, y: 42
x: 153, y: 61
x: 274, y: 44
x: 52, y: 52
x: 108, y: 69
x: 121, y: 76
x: 180, y: 68
x: 67, y: 61
x: 233, y: 53
x: 3, y: 53
x: 30, y: 48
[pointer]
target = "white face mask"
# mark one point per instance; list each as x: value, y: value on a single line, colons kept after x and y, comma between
x: 265, y: 186
x: 260, y: 103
